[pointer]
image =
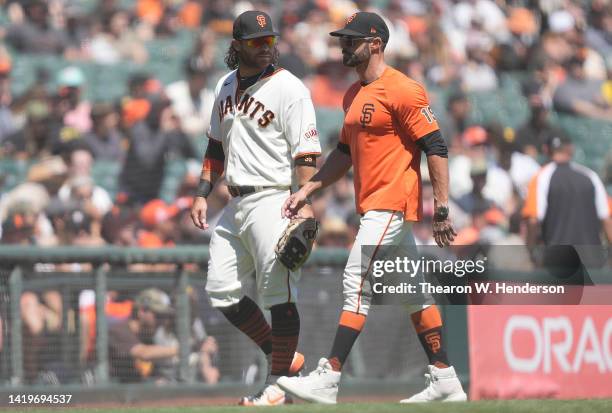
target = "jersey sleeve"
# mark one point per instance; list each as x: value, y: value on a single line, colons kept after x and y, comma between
x: 343, y: 137
x: 214, y: 129
x: 412, y: 110
x: 301, y: 128
x: 601, y: 197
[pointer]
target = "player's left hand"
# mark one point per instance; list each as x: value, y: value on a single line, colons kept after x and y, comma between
x: 443, y: 232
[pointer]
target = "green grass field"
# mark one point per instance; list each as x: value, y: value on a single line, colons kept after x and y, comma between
x: 514, y: 406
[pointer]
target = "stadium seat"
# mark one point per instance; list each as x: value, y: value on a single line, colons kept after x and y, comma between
x: 329, y: 124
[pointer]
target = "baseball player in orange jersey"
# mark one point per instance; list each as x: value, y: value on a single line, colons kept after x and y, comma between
x: 262, y: 132
x: 388, y: 122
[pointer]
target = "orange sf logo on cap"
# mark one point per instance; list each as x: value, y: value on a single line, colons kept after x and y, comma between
x: 261, y: 19
x: 350, y: 18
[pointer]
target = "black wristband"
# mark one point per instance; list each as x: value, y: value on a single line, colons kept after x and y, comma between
x: 204, y: 188
x: 441, y: 213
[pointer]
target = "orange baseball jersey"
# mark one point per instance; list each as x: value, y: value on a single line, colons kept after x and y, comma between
x: 382, y: 122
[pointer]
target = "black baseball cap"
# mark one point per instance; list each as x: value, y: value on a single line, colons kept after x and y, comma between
x: 364, y: 24
x: 252, y: 24
x: 558, y: 141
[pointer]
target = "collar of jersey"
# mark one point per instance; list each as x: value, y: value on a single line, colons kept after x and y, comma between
x: 271, y: 70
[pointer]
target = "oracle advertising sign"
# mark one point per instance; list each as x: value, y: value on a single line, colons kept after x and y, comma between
x: 527, y: 352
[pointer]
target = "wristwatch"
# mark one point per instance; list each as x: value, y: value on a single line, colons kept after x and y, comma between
x: 441, y: 213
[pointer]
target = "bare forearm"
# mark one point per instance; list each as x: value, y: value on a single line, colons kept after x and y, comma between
x: 335, y: 167
x: 438, y: 174
x: 304, y: 174
x: 153, y: 352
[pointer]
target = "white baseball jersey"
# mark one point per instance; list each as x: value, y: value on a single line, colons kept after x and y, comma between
x: 262, y: 131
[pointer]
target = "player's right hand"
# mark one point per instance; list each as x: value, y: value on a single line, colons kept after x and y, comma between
x: 293, y: 204
x: 198, y: 212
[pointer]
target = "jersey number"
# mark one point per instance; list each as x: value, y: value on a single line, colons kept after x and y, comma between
x: 428, y: 113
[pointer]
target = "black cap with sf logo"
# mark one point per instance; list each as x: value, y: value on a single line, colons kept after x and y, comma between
x: 252, y: 24
x: 364, y: 24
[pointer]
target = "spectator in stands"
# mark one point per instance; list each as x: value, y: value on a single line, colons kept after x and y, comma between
x: 455, y: 122
x: 119, y: 227
x: 135, y: 106
x: 105, y: 141
x: 191, y: 100
x: 475, y: 199
x: 342, y: 202
x: 477, y: 74
x: 334, y: 234
x: 599, y: 33
x: 80, y: 188
x: 512, y: 53
x: 34, y: 33
x: 42, y: 321
x: 18, y: 228
x: 131, y: 358
x: 41, y: 312
x: 76, y: 112
x: 157, y: 218
x: 291, y: 54
x: 116, y: 42
x: 7, y: 119
x: 330, y: 83
x: 152, y: 143
x: 204, y: 349
x: 82, y: 191
x: 74, y: 226
x: 537, y: 130
x: 34, y: 141
x: 581, y: 96
x: 473, y: 147
x: 206, y: 47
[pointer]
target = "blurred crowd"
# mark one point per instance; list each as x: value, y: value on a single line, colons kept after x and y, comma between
x: 59, y: 136
x: 563, y: 48
x: 143, y: 343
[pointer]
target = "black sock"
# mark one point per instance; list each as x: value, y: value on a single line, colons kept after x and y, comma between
x: 432, y: 343
x: 285, y: 335
x: 248, y: 318
x: 343, y: 343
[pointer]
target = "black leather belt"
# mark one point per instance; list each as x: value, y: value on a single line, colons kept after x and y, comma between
x: 244, y: 190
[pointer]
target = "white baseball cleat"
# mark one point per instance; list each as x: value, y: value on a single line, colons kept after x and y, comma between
x: 320, y: 386
x: 442, y: 385
x: 271, y: 394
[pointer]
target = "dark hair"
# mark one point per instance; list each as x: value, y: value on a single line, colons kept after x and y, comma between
x: 231, y: 57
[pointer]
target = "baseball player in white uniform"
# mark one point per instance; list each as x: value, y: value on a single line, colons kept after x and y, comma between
x: 263, y: 136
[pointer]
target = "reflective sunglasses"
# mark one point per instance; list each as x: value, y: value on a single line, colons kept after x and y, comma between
x: 348, y: 42
x: 260, y: 41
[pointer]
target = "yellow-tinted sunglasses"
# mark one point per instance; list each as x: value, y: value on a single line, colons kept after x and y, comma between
x: 260, y: 41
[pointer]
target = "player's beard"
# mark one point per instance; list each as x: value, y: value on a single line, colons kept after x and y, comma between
x: 261, y: 60
x: 352, y: 59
